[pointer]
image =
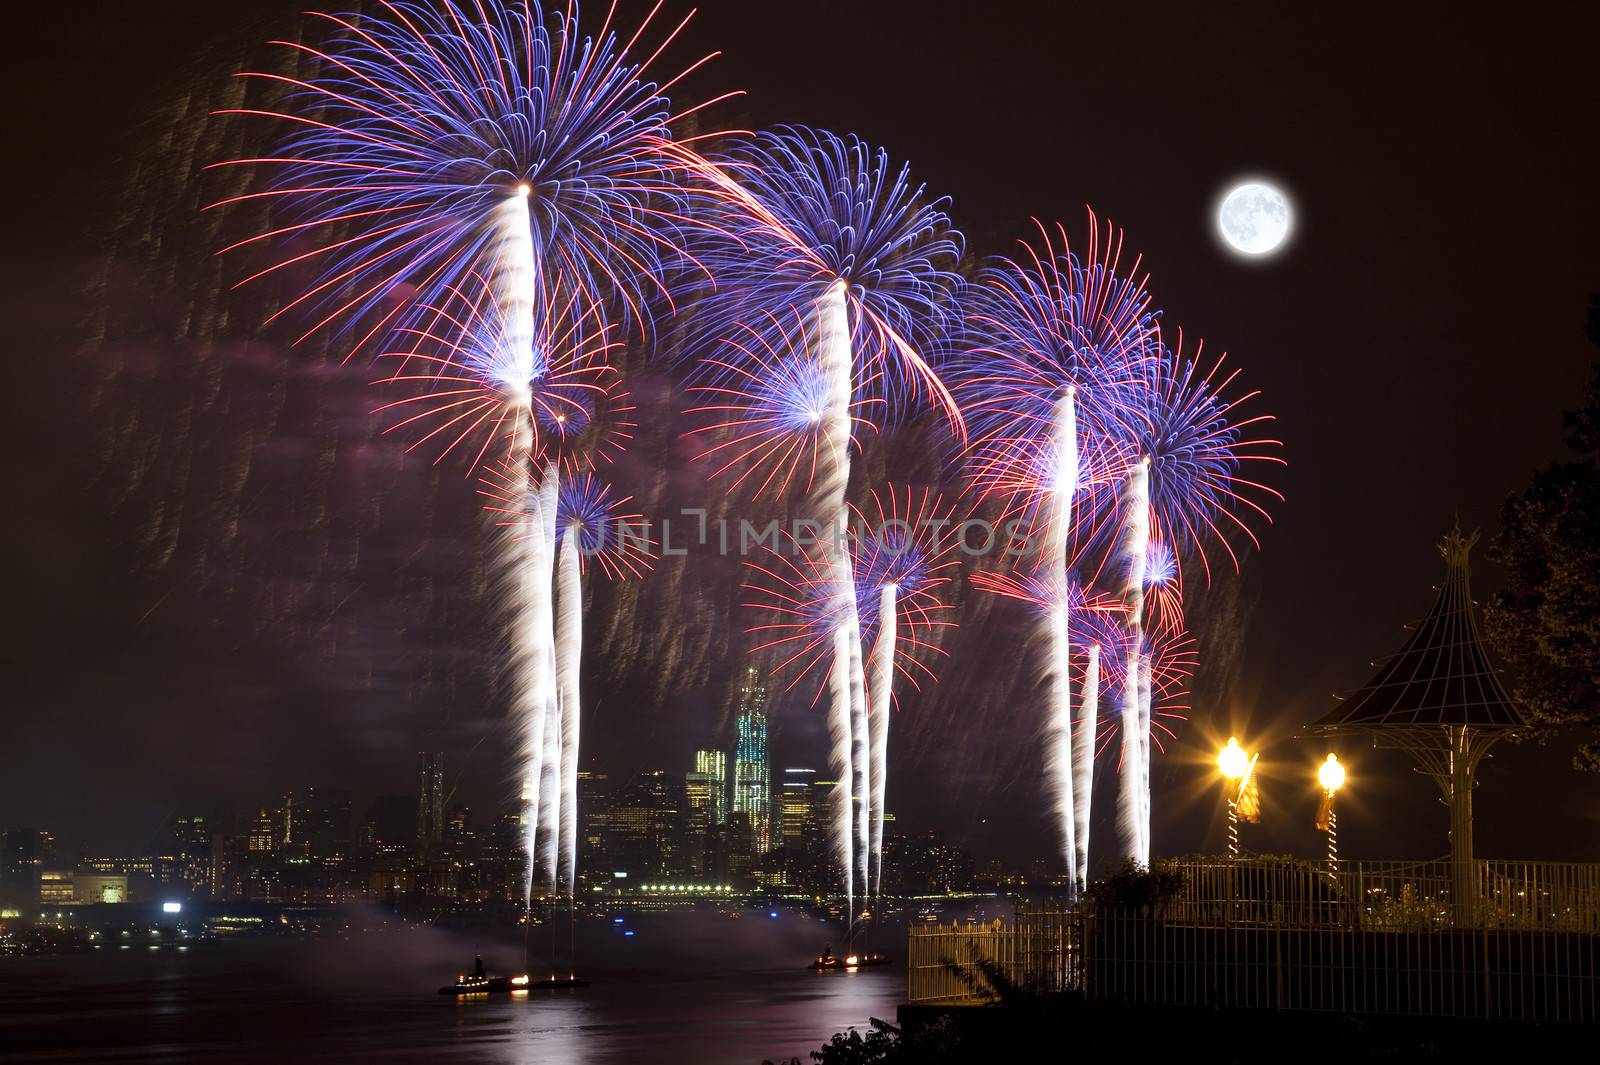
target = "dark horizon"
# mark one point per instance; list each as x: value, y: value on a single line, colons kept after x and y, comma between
x: 228, y: 584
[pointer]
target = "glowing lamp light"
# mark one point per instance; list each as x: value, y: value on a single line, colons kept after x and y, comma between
x: 524, y: 189
x: 172, y: 907
x: 1330, y: 775
x: 1232, y: 762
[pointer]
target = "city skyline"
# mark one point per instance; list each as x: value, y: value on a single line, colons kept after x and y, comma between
x: 226, y: 618
x: 593, y: 531
x: 650, y: 834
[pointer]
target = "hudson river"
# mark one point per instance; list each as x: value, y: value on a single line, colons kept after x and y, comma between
x: 692, y: 989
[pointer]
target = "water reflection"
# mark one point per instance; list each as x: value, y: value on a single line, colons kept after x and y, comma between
x: 708, y: 989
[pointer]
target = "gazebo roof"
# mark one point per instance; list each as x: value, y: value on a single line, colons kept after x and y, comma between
x: 1441, y: 677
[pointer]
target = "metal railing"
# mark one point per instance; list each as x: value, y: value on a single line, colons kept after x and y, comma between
x: 1361, y: 937
x: 1547, y: 896
x: 934, y: 953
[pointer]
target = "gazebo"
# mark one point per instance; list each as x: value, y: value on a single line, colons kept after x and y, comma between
x: 1439, y: 700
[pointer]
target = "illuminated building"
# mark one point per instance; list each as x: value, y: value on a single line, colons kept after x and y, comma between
x: 101, y: 887
x: 752, y: 780
x: 797, y: 804
x: 740, y: 855
x: 699, y: 827
x: 26, y: 850
x: 801, y: 836
x: 56, y: 887
x: 666, y: 835
x: 191, y: 838
x: 458, y: 835
x: 713, y: 766
x: 430, y: 803
x: 294, y: 823
x: 645, y: 839
x: 264, y: 833
x: 594, y: 822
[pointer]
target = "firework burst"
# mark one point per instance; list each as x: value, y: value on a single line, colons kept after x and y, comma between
x: 764, y: 412
x: 1045, y: 326
x: 1198, y: 439
x: 414, y: 127
x: 469, y: 388
x: 902, y: 538
x: 828, y: 213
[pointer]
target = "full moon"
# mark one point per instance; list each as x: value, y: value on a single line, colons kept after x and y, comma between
x: 1255, y: 218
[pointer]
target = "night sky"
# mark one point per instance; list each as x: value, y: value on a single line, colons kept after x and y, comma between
x: 223, y: 583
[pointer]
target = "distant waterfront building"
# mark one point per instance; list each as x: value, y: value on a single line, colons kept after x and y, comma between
x: 594, y: 821
x: 713, y: 765
x: 101, y: 887
x: 739, y: 851
x: 645, y: 837
x: 797, y: 805
x: 430, y: 802
x: 25, y: 851
x: 192, y: 842
x: 926, y: 864
x: 458, y: 835
x: 294, y: 825
x: 391, y: 826
x: 328, y: 821
x: 265, y: 832
x: 56, y: 887
x: 699, y: 828
x: 752, y: 774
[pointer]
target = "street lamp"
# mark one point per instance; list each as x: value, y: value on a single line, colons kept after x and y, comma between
x: 1234, y: 765
x: 1330, y: 775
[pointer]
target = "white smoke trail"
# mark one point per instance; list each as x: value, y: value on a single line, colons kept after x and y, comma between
x: 550, y: 768
x: 833, y: 353
x: 1084, y: 738
x: 1144, y: 758
x: 861, y: 740
x: 516, y: 289
x: 530, y: 661
x: 1058, y: 729
x: 1058, y: 732
x: 839, y: 734
x: 881, y: 691
x: 569, y: 658
x: 1134, y: 815
x: 1130, y: 773
x: 526, y: 548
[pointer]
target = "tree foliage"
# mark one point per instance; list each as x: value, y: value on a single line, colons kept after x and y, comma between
x: 1136, y: 888
x: 1544, y: 622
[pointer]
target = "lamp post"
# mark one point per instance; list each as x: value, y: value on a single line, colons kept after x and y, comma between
x: 1330, y: 775
x: 1234, y: 765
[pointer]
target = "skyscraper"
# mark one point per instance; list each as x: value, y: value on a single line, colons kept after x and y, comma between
x: 644, y: 835
x: 797, y: 805
x: 594, y: 827
x: 713, y: 780
x: 752, y: 777
x: 430, y: 803
x: 797, y: 810
x: 330, y: 822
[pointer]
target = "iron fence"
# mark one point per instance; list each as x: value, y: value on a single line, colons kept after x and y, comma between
x: 1510, y: 940
x: 1537, y: 896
